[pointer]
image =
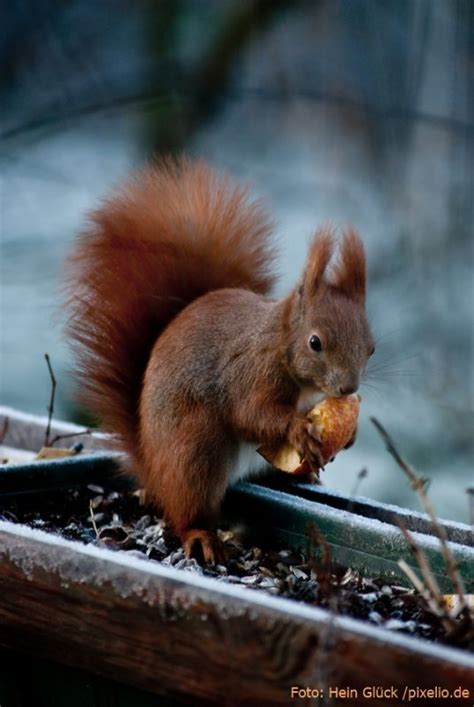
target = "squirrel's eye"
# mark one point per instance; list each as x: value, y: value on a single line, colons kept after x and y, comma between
x: 315, y: 343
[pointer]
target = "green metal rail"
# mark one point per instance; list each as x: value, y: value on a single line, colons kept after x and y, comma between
x: 359, y: 532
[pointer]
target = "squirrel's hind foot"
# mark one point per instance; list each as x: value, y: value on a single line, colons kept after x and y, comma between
x: 204, y: 545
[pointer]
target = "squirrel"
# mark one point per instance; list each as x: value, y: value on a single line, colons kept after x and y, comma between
x: 183, y: 354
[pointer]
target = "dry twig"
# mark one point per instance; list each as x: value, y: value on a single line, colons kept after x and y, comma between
x: 322, y: 569
x: 69, y: 435
x: 418, y: 484
x: 426, y: 594
x: 51, y: 401
x: 429, y: 588
x: 94, y: 524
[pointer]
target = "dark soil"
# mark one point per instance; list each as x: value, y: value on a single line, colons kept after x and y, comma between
x: 117, y: 520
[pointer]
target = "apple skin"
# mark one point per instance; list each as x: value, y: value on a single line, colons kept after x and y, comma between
x: 335, y: 420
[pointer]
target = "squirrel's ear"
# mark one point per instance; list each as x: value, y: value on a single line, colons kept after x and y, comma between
x: 319, y: 255
x: 349, y: 274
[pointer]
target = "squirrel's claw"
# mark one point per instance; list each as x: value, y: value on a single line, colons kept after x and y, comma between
x: 311, y: 477
x: 305, y: 438
x: 204, y: 545
x: 312, y: 449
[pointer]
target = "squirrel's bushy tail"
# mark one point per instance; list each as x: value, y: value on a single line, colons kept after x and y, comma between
x: 176, y: 231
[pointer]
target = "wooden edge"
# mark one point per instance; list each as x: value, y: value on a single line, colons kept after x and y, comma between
x: 175, y: 633
x: 26, y: 431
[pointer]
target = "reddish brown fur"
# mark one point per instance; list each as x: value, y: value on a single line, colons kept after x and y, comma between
x: 349, y: 275
x: 208, y: 385
x: 181, y: 353
x: 320, y: 252
x: 176, y: 231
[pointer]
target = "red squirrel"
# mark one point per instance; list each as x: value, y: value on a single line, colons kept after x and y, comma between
x: 182, y: 353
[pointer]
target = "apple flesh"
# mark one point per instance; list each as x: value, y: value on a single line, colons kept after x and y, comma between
x: 335, y: 420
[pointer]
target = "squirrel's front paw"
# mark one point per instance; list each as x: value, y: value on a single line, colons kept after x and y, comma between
x: 304, y: 437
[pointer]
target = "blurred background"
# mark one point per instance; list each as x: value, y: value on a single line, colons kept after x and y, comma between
x: 349, y: 111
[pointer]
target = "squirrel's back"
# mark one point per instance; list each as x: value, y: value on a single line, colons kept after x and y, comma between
x: 174, y: 232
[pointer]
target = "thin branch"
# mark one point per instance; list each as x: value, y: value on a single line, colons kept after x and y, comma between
x: 431, y: 591
x: 415, y: 580
x: 51, y: 401
x: 69, y: 435
x: 94, y: 525
x: 419, y: 484
x: 423, y: 564
x: 425, y: 593
x: 323, y: 569
x: 414, y: 479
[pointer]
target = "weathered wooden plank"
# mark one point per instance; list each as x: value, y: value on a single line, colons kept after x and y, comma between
x: 26, y: 431
x: 180, y: 635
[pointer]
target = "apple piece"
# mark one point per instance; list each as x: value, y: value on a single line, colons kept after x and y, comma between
x: 285, y: 458
x: 335, y: 420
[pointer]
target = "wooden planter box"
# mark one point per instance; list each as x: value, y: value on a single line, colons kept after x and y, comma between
x: 85, y: 625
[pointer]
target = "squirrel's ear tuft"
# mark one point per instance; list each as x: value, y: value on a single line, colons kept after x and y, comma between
x: 349, y: 274
x: 320, y: 252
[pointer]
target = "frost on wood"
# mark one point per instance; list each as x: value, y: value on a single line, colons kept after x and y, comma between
x: 33, y: 550
x: 384, y: 536
x: 175, y: 594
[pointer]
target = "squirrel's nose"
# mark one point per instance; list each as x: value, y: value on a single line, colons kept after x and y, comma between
x: 347, y: 389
